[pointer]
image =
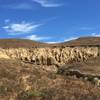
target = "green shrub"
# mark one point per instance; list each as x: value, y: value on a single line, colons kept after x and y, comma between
x: 27, y: 95
x: 35, y: 93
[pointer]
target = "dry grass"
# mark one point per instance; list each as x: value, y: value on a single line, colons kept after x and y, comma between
x: 15, y: 76
x: 24, y: 81
x: 17, y: 43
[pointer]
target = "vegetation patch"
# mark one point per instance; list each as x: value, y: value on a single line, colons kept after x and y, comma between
x: 30, y: 94
x: 35, y: 93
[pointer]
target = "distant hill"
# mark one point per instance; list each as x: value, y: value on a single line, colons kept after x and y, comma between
x: 16, y: 43
x: 83, y: 41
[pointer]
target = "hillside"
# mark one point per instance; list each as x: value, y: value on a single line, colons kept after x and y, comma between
x: 17, y: 43
x: 83, y: 41
x: 25, y: 43
x: 31, y: 70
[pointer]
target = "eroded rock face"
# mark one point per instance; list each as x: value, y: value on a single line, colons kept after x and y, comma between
x: 50, y: 56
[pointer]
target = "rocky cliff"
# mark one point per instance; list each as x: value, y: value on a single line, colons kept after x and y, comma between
x: 50, y: 55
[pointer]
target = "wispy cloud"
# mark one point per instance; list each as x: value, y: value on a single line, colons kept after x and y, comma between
x: 63, y: 40
x: 95, y: 34
x: 71, y: 38
x: 30, y: 6
x: 53, y: 42
x: 20, y: 28
x: 37, y: 38
x: 19, y: 6
x: 47, y: 3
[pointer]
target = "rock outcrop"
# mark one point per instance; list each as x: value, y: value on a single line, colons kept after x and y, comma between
x: 50, y: 55
x: 94, y: 79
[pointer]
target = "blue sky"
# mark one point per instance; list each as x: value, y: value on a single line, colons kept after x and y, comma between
x: 49, y: 20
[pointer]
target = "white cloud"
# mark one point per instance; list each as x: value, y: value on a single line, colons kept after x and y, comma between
x: 37, y: 38
x: 47, y: 3
x: 53, y: 42
x: 20, y: 28
x: 69, y: 39
x: 65, y: 40
x: 95, y: 34
x: 19, y: 6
